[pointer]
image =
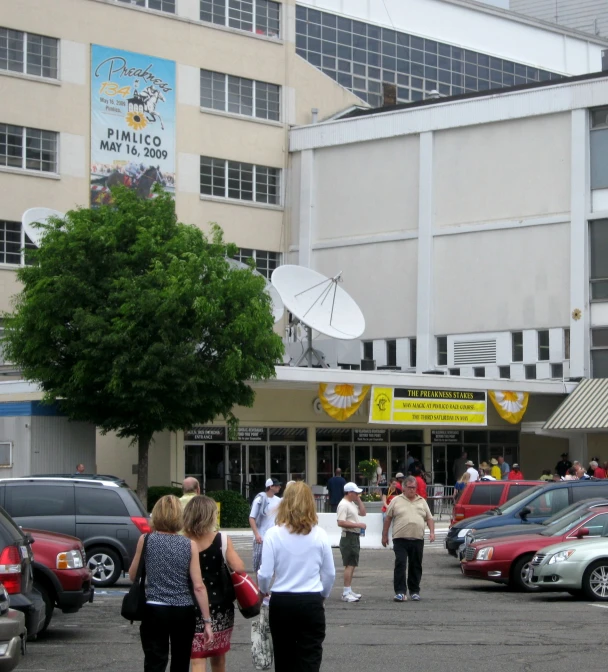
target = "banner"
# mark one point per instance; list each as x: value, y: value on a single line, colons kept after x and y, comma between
x: 414, y: 406
x: 511, y: 406
x: 132, y: 122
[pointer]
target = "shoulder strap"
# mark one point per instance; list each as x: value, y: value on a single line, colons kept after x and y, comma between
x: 224, y: 543
x: 140, y: 576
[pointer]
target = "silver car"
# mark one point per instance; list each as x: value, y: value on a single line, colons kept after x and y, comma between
x: 577, y: 567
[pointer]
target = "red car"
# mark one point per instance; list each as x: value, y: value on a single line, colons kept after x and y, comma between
x: 481, y: 496
x: 60, y: 572
x: 507, y: 560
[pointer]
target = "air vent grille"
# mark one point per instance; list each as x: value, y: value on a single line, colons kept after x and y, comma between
x: 474, y: 352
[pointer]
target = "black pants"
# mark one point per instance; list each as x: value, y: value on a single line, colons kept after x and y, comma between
x: 164, y: 625
x: 297, y: 625
x: 407, y: 550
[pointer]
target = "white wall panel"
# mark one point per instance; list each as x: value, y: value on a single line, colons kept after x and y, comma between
x: 73, y: 63
x: 72, y: 155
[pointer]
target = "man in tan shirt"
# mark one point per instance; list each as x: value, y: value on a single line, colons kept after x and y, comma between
x: 408, y: 514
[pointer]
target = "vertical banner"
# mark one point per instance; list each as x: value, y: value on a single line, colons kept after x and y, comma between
x: 132, y: 122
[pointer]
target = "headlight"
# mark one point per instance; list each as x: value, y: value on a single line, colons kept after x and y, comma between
x: 463, y: 532
x: 562, y: 556
x: 70, y: 560
x: 485, y: 553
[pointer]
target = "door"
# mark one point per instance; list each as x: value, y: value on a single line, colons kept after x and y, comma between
x: 256, y: 469
x: 278, y: 463
x: 235, y: 473
x: 344, y: 461
x: 214, y: 467
x: 297, y: 463
x: 42, y: 506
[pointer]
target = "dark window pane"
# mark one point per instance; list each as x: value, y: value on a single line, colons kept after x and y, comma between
x: 40, y: 500
x: 95, y: 501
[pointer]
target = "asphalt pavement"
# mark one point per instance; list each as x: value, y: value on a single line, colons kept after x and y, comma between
x: 459, y: 625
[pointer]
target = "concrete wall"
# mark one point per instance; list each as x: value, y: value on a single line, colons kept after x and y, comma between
x: 540, y: 452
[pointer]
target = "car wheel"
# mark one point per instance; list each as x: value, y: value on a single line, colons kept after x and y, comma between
x: 519, y: 572
x: 49, y: 603
x: 595, y: 581
x: 452, y: 553
x: 105, y: 566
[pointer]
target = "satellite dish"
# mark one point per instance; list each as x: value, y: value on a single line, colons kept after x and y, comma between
x: 278, y: 309
x: 37, y: 216
x: 320, y: 304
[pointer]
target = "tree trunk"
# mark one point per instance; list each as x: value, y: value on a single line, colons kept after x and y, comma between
x: 143, y: 444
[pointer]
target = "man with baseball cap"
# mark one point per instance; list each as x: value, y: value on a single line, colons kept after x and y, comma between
x: 349, y: 510
x: 400, y: 476
x: 261, y: 517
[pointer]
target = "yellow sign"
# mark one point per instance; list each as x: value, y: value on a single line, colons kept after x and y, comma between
x: 414, y: 406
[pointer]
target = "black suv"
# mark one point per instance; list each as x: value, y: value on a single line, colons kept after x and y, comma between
x: 106, y: 516
x: 17, y: 576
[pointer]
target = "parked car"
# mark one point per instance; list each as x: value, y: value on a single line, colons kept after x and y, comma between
x: 580, y: 569
x: 508, y: 560
x: 530, y: 507
x: 106, y: 516
x: 481, y: 496
x: 13, y: 634
x: 61, y: 575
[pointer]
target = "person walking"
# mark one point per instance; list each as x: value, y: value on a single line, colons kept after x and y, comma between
x: 191, y: 488
x: 408, y: 514
x: 170, y: 618
x: 516, y: 473
x: 349, y: 510
x: 298, y: 554
x: 335, y: 488
x: 495, y: 470
x: 461, y: 484
x: 504, y: 468
x: 261, y: 517
x: 200, y: 523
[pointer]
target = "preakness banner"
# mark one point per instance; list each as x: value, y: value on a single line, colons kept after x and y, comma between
x: 132, y: 122
x: 414, y: 406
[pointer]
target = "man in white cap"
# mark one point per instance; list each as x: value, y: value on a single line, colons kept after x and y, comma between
x: 349, y: 510
x: 473, y: 473
x: 261, y: 517
x: 400, y: 476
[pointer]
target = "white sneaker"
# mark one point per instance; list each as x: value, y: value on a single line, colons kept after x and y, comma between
x: 357, y: 595
x: 349, y: 597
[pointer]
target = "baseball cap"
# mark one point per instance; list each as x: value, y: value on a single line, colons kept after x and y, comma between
x: 272, y: 481
x: 399, y: 475
x: 352, y: 487
x: 516, y: 466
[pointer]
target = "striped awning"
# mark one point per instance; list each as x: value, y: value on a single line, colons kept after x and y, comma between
x: 585, y: 409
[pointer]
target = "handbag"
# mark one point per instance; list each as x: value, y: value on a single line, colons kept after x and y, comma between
x: 246, y: 592
x: 261, y: 641
x: 134, y: 602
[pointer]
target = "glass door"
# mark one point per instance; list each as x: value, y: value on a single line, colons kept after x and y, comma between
x: 237, y: 457
x: 278, y: 463
x: 361, y: 453
x: 343, y: 460
x: 325, y: 468
x: 297, y: 463
x: 214, y: 472
x: 380, y: 453
x: 256, y: 470
x: 194, y: 455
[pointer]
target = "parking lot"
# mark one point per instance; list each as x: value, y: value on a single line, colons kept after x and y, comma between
x: 459, y: 625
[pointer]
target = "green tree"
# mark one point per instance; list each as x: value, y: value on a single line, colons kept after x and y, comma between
x: 136, y: 322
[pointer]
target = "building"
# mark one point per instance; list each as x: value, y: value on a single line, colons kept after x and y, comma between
x: 590, y: 16
x: 201, y: 95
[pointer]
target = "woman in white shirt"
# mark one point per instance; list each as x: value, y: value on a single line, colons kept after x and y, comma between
x: 298, y: 554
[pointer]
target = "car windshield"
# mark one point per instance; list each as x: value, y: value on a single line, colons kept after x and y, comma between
x: 565, y: 513
x: 563, y: 525
x: 514, y: 504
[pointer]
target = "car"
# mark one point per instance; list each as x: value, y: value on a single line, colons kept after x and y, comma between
x: 13, y: 634
x: 481, y: 496
x: 106, y: 516
x: 580, y: 569
x: 530, y: 507
x: 61, y: 575
x: 508, y: 560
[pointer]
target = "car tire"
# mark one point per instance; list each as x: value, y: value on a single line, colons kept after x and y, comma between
x: 595, y: 581
x: 105, y: 565
x: 516, y: 580
x: 452, y: 553
x: 49, y: 602
x: 576, y: 592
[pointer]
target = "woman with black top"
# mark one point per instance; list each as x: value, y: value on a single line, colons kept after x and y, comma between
x: 200, y: 522
x: 174, y: 581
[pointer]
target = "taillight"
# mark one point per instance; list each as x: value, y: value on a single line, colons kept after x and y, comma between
x: 459, y: 513
x: 141, y: 523
x: 10, y: 569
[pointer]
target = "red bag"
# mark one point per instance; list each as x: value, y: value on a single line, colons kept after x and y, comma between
x: 248, y: 596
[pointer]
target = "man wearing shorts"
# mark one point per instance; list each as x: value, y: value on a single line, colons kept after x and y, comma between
x: 349, y: 510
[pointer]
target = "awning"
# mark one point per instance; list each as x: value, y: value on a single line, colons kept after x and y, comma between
x: 585, y: 409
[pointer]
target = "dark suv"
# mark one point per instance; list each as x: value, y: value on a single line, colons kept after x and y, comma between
x: 106, y: 516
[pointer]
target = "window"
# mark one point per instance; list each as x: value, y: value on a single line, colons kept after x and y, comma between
x: 442, y: 350
x: 581, y: 492
x: 391, y: 352
x: 517, y: 346
x: 479, y: 371
x: 160, y: 5
x: 598, y: 242
x: 599, y: 353
x: 10, y: 243
x: 504, y: 371
x: 265, y: 262
x: 240, y: 96
x: 515, y: 490
x: 454, y: 372
x: 412, y: 352
x: 598, y: 143
x: 543, y: 345
x: 557, y: 371
x: 6, y: 454
x: 28, y: 53
x: 241, y: 181
x: 99, y: 501
x: 566, y: 343
x: 39, y: 500
x: 547, y: 503
x: 530, y: 371
x: 489, y: 495
x: 597, y: 525
x: 262, y: 17
x: 368, y: 350
x: 28, y: 148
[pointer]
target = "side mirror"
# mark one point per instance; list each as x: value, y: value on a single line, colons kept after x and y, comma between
x: 29, y: 539
x: 582, y: 532
x: 525, y: 512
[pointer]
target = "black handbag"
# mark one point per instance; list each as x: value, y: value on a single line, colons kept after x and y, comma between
x: 134, y: 602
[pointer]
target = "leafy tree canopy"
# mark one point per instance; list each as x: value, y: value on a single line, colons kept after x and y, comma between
x: 136, y: 322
